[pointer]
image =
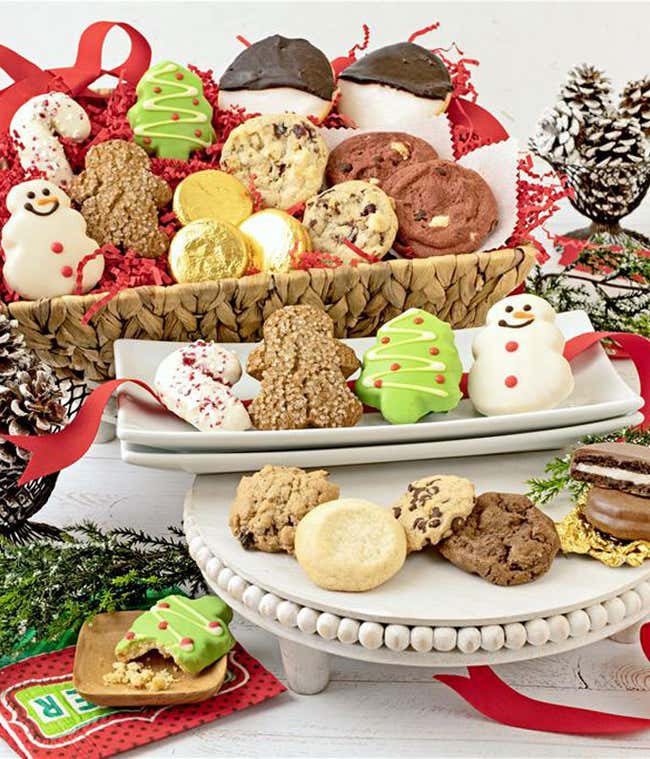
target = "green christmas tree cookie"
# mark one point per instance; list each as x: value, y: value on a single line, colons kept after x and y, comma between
x: 172, y: 118
x: 412, y: 370
x: 193, y: 632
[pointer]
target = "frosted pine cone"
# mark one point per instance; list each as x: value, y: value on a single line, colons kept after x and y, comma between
x: 635, y: 103
x: 613, y: 141
x: 559, y: 132
x: 587, y: 92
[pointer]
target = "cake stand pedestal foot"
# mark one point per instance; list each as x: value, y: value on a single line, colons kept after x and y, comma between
x: 629, y: 634
x: 307, y: 670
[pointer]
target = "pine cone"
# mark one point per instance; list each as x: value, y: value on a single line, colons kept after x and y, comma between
x: 559, y: 133
x: 587, y: 92
x: 635, y: 103
x: 613, y: 141
x: 14, y: 354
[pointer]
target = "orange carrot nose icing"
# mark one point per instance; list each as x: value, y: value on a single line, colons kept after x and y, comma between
x: 46, y: 201
x: 193, y: 632
x: 523, y: 315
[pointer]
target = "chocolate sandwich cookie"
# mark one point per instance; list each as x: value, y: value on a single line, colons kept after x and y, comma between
x: 616, y: 466
x: 442, y: 208
x: 376, y: 156
x: 620, y: 514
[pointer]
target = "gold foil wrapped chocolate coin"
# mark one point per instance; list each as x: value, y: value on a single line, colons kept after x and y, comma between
x: 275, y: 239
x: 207, y: 250
x: 212, y: 194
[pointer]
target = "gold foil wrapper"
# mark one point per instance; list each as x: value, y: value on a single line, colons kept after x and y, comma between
x: 578, y: 535
x: 274, y: 239
x: 212, y: 194
x: 207, y: 250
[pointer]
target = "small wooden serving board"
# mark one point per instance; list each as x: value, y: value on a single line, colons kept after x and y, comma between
x: 95, y: 655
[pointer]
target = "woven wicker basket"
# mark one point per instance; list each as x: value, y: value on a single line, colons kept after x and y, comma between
x: 458, y: 289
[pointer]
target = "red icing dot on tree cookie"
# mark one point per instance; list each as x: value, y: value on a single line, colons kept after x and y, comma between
x: 511, y: 346
x: 195, y: 101
x: 130, y: 635
x: 187, y: 643
x: 197, y: 132
x: 395, y: 367
x: 179, y: 75
x: 418, y: 320
x: 163, y: 625
x: 174, y: 117
x: 433, y: 350
x: 146, y: 140
x: 511, y: 380
x: 66, y: 271
x: 163, y: 605
x: 440, y: 379
x: 385, y: 340
x: 56, y: 247
x: 157, y: 89
x: 378, y: 383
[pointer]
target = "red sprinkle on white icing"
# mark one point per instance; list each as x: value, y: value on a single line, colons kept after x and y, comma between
x: 511, y: 346
x: 510, y: 380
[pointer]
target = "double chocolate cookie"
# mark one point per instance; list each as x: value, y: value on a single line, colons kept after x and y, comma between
x: 442, y: 208
x: 506, y: 540
x: 376, y: 156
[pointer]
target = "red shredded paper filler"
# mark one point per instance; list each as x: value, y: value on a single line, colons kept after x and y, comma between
x: 41, y: 715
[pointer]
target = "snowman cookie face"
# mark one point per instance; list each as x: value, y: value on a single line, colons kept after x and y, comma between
x: 44, y: 242
x: 519, y: 364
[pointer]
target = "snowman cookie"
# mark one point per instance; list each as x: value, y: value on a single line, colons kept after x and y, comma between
x: 44, y: 242
x: 518, y: 362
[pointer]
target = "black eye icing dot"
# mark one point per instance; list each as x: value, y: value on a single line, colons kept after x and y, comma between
x: 46, y: 191
x: 31, y: 195
x: 502, y: 322
x: 508, y: 309
x: 527, y: 307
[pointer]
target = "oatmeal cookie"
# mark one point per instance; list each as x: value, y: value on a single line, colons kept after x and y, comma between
x: 506, y: 540
x: 442, y: 208
x: 358, y: 212
x: 433, y: 508
x: 376, y: 156
x: 270, y: 503
x: 303, y: 371
x: 283, y: 155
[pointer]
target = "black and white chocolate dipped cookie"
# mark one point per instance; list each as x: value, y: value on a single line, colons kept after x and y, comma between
x: 404, y: 80
x: 615, y: 466
x: 279, y: 74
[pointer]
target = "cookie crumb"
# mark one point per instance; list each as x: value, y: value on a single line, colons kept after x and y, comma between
x: 138, y: 675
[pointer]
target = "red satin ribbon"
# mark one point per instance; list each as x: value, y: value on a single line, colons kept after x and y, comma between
x: 30, y: 80
x: 489, y: 695
x: 53, y: 452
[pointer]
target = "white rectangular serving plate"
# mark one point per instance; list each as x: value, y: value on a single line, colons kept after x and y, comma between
x: 599, y: 394
x: 197, y: 462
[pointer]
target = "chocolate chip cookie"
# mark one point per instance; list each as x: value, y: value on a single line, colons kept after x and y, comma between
x: 358, y: 212
x: 283, y: 155
x: 442, y: 208
x: 433, y: 508
x: 270, y: 503
x: 506, y: 540
x: 376, y: 156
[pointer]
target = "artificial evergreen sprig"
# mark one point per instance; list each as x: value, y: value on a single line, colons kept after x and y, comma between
x: 545, y: 489
x: 610, y: 283
x: 48, y: 588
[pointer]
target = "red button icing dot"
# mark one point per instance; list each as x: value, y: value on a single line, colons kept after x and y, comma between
x: 197, y: 132
x: 187, y: 642
x: 385, y: 340
x: 157, y: 89
x: 433, y: 350
x: 66, y: 271
x: 179, y: 76
x: 378, y: 383
x: 56, y: 247
x: 214, y: 625
x: 395, y: 367
x: 440, y: 379
x: 418, y: 320
x: 511, y: 380
x: 163, y: 605
x: 130, y: 635
x: 511, y: 346
x: 162, y: 625
x: 174, y: 117
x: 195, y: 101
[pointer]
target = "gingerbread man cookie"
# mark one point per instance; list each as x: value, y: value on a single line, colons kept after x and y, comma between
x: 120, y: 197
x: 303, y: 370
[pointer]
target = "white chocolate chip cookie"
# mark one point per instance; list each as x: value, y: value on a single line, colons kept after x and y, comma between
x: 283, y: 155
x: 350, y: 544
x: 433, y: 508
x: 356, y: 211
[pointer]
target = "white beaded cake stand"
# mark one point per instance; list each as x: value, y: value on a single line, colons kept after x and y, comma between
x: 431, y: 613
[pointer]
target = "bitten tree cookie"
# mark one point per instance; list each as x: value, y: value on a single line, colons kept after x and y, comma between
x: 433, y: 508
x: 412, y: 370
x: 270, y: 503
x: 120, y: 197
x: 358, y: 212
x: 172, y: 118
x: 506, y: 540
x: 283, y: 155
x: 442, y: 208
x: 302, y: 370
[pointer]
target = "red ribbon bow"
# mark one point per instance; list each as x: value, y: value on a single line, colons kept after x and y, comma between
x: 30, y: 80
